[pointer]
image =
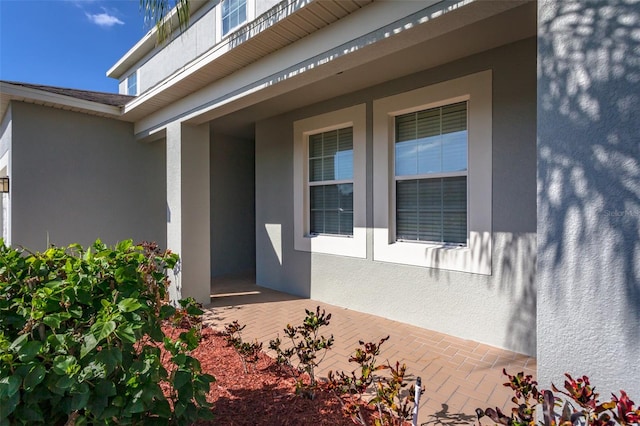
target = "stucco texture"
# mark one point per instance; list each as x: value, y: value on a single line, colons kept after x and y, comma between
x: 589, y: 193
x: 76, y: 178
x: 498, y: 309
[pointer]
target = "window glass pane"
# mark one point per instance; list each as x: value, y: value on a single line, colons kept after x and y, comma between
x: 331, y: 155
x: 405, y: 127
x: 330, y: 159
x: 331, y: 197
x: 315, y: 170
x: 225, y: 25
x: 328, y: 168
x: 242, y: 13
x: 316, y: 197
x: 346, y: 196
x: 432, y: 141
x: 344, y: 156
x: 454, y: 151
x: 132, y: 84
x: 406, y: 158
x: 317, y: 222
x: 429, y: 155
x: 432, y: 210
x: 343, y: 165
x: 331, y: 222
x: 315, y: 146
x: 430, y: 201
x: 427, y: 123
x: 331, y: 209
x: 407, y: 210
x: 346, y: 223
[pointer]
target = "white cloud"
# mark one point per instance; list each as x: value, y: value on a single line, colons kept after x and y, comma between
x: 104, y: 19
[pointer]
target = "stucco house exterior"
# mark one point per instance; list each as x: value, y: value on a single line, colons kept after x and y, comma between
x: 471, y: 167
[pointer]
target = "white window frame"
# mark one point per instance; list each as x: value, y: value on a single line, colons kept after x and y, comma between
x: 342, y: 245
x: 476, y: 89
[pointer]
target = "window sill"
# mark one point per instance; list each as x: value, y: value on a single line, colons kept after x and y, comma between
x: 474, y: 258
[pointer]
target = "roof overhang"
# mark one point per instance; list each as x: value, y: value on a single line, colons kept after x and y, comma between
x: 149, y: 42
x: 16, y: 92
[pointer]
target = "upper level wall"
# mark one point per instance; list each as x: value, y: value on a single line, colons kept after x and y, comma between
x: 203, y: 34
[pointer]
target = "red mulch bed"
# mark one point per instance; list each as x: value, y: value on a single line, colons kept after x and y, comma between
x: 266, y: 397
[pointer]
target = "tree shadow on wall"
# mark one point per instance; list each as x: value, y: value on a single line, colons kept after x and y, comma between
x: 589, y: 170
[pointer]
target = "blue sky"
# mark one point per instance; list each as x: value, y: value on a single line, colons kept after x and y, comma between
x: 67, y: 43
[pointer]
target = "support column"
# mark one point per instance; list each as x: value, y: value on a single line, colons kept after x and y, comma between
x: 588, y: 271
x: 188, y: 210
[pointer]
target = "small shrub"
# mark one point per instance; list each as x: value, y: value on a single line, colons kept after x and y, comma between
x: 81, y: 338
x: 579, y: 406
x: 308, y: 346
x: 392, y: 400
x: 249, y: 353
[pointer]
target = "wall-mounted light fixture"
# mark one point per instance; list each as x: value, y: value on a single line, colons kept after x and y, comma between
x: 4, y: 185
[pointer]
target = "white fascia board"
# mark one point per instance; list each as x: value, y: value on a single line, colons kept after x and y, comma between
x: 28, y: 93
x: 355, y: 29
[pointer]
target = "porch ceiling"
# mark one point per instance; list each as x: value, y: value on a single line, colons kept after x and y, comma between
x: 509, y: 26
x: 284, y: 24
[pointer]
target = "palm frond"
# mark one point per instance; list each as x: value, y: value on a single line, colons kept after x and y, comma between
x: 158, y: 14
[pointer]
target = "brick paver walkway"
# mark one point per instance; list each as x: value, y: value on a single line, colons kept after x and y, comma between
x: 458, y: 375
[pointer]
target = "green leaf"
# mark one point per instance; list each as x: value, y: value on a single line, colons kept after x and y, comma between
x: 18, y: 343
x: 167, y: 311
x: 88, y: 344
x: 103, y: 329
x: 63, y: 365
x: 126, y: 334
x: 80, y: 396
x: 135, y: 407
x: 110, y: 357
x: 34, y: 377
x: 8, y: 405
x: 181, y: 378
x: 84, y: 296
x: 9, y: 386
x: 162, y: 409
x: 129, y: 305
x: 54, y: 320
x: 29, y: 350
x: 105, y: 388
x: 65, y: 382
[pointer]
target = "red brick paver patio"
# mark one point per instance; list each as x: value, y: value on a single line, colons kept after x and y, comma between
x: 458, y: 375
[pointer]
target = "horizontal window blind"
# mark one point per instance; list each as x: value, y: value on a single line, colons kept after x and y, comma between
x: 431, y: 175
x: 432, y: 210
x: 331, y: 182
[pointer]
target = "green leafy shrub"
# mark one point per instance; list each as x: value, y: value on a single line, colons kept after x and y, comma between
x: 579, y: 405
x: 307, y: 349
x: 81, y: 340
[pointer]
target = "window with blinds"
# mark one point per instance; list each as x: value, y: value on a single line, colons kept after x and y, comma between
x: 431, y: 175
x: 331, y: 182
